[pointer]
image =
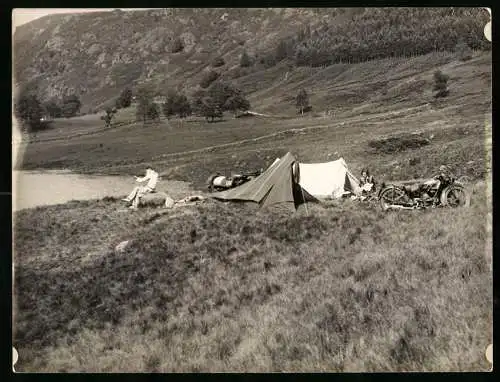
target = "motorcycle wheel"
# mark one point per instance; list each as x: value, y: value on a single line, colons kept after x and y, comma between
x: 455, y: 196
x: 390, y: 196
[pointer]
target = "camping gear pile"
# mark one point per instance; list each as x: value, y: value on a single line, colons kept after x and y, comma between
x: 219, y: 182
x: 440, y: 191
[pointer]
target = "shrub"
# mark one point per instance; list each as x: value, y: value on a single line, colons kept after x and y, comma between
x: 397, y: 144
x: 219, y: 61
x: 440, y: 84
x: 152, y: 111
x: 177, y: 45
x: 208, y: 78
x: 245, y: 60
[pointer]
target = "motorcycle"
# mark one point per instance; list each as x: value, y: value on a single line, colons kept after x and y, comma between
x: 439, y: 191
x: 219, y: 182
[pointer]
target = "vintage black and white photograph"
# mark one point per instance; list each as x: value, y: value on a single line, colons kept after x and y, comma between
x: 252, y: 190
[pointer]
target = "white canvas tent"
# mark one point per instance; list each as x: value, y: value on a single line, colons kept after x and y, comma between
x: 328, y: 179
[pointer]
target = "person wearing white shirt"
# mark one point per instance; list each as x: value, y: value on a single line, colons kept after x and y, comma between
x: 139, y: 191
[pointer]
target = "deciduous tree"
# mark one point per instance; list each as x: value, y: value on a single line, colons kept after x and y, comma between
x: 302, y: 100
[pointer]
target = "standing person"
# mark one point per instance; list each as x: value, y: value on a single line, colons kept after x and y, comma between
x: 139, y: 191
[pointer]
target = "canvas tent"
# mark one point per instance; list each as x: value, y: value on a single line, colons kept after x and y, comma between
x: 276, y: 186
x: 328, y: 179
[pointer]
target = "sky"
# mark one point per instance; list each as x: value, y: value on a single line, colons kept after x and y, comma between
x: 22, y: 16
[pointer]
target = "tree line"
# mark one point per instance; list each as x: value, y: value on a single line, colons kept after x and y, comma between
x: 209, y: 103
x: 34, y: 114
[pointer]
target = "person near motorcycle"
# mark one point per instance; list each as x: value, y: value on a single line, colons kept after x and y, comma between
x: 366, y: 182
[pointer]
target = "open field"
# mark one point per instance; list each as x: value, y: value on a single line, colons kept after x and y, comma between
x: 339, y: 286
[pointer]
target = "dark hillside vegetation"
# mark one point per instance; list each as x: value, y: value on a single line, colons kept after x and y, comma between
x: 392, y: 32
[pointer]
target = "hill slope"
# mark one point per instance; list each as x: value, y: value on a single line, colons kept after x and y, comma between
x: 95, y: 55
x: 341, y: 287
x: 367, y: 101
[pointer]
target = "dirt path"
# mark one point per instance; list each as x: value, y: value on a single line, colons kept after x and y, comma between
x: 346, y: 121
x: 36, y: 188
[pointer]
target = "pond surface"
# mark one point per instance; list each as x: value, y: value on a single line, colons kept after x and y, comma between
x: 36, y: 188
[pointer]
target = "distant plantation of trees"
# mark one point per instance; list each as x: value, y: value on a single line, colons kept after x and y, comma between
x: 387, y: 32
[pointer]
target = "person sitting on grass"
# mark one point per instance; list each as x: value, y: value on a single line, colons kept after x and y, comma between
x: 367, y: 182
x: 139, y: 191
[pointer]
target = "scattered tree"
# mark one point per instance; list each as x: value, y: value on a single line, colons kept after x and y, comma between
x: 169, y: 104
x: 237, y: 103
x: 220, y: 91
x: 440, y: 84
x: 197, y: 102
x: 52, y: 109
x: 245, y: 60
x: 108, y: 117
x: 70, y: 106
x: 152, y: 111
x: 29, y: 111
x: 302, y: 101
x: 210, y: 109
x: 125, y: 98
x: 144, y: 100
x: 182, y: 106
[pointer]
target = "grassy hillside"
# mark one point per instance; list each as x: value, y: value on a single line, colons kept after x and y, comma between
x: 368, y: 101
x: 95, y: 56
x: 339, y: 287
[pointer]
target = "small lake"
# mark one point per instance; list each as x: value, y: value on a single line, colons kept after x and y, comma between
x: 36, y: 188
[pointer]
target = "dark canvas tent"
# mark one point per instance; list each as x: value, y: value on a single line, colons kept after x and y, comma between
x: 277, y: 186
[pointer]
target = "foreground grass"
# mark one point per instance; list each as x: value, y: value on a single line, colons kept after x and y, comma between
x: 218, y: 287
